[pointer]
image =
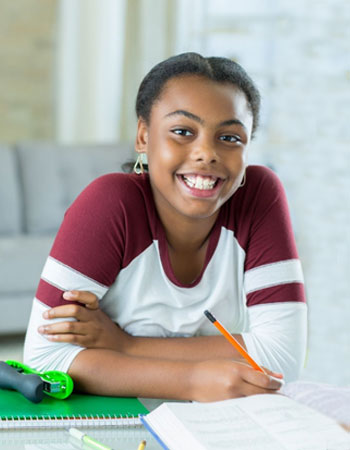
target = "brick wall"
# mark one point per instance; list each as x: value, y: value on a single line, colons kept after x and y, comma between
x: 27, y: 64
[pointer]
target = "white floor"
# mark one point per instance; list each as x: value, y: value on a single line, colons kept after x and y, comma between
x: 11, y: 347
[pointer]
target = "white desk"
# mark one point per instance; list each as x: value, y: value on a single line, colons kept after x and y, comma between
x: 123, y: 439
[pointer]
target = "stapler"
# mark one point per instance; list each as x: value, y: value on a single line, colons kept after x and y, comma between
x: 34, y: 384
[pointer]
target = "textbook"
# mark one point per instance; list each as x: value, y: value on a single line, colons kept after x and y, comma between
x: 333, y: 401
x: 78, y: 410
x: 261, y: 422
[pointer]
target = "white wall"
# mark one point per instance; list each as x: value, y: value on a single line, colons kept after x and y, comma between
x: 299, y: 53
x: 89, y: 70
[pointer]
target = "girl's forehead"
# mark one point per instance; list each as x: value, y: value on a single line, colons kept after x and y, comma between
x: 194, y: 85
x: 202, y: 96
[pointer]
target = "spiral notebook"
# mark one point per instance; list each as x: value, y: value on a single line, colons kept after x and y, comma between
x: 77, y: 410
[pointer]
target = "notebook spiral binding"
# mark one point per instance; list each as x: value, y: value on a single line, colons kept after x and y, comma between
x: 15, y: 422
x: 23, y: 437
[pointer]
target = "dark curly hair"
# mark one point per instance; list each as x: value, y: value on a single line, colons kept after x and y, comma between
x: 222, y: 70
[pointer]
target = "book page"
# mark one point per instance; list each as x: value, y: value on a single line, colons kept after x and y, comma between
x: 264, y: 422
x: 219, y: 426
x: 296, y: 426
x: 330, y: 400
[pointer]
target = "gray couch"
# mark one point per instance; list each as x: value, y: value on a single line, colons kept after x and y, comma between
x: 38, y: 181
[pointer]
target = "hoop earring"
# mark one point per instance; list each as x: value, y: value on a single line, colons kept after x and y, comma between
x: 138, y: 167
x: 243, y: 181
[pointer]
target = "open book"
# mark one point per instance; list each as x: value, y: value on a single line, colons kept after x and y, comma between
x: 261, y: 422
x: 331, y: 400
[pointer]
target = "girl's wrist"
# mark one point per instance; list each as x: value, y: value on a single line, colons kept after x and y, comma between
x: 194, y: 381
x: 124, y: 341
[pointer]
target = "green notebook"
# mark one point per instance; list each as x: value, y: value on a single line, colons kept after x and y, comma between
x: 77, y: 410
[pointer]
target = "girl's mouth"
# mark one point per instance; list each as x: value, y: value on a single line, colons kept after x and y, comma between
x: 200, y: 182
x: 200, y: 185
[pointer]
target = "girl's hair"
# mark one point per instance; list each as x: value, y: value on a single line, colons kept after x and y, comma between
x: 222, y: 70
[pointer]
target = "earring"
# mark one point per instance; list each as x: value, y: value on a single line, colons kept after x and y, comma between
x: 243, y: 181
x: 138, y: 167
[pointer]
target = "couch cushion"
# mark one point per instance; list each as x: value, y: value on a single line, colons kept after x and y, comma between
x: 53, y: 175
x: 10, y: 199
x: 22, y: 259
x: 15, y: 313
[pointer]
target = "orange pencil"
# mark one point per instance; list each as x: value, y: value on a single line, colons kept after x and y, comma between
x: 233, y: 341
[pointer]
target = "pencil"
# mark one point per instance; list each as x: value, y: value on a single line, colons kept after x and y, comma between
x: 233, y: 341
x: 142, y: 445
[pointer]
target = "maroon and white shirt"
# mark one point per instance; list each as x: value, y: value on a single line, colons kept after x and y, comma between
x: 112, y: 243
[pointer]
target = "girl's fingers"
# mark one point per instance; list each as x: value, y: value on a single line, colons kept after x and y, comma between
x: 250, y: 389
x: 87, y: 298
x: 76, y: 339
x: 273, y: 374
x: 276, y: 376
x: 70, y: 327
x: 76, y: 311
x: 262, y: 380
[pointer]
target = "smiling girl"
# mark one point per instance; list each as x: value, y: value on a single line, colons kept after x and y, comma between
x: 147, y: 253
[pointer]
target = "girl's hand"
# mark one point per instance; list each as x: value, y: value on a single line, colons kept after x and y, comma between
x: 92, y: 327
x: 214, y: 380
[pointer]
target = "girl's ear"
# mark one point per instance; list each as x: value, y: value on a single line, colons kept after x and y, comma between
x: 141, y: 142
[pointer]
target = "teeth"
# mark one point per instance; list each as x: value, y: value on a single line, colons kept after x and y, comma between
x: 189, y: 180
x: 199, y: 182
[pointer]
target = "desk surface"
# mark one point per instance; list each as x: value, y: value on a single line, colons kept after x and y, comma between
x: 56, y: 439
x: 122, y: 439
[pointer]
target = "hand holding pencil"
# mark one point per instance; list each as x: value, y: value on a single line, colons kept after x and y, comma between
x: 238, y: 346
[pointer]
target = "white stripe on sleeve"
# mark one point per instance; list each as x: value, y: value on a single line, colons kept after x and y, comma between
x: 277, y: 337
x: 65, y: 278
x: 39, y: 352
x: 269, y: 275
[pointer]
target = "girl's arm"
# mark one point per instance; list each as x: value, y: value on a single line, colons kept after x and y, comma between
x: 281, y: 330
x: 202, y: 377
x: 94, y: 329
x: 106, y: 372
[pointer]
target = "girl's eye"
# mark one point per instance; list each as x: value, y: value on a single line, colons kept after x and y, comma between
x: 230, y: 138
x: 182, y: 132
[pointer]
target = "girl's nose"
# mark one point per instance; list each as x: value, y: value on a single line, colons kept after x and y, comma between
x: 204, y: 152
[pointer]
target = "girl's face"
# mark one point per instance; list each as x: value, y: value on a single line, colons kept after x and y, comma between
x: 196, y: 144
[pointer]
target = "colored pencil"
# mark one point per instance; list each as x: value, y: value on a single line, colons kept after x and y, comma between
x: 233, y: 341
x: 142, y: 445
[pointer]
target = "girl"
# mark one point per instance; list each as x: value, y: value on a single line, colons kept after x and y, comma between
x: 200, y: 231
